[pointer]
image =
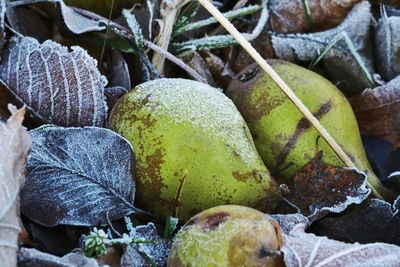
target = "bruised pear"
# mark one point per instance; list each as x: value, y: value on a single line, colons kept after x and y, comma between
x: 283, y: 137
x: 227, y: 236
x: 194, y: 150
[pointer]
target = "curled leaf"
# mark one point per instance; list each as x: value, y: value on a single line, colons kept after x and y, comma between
x: 378, y: 111
x: 319, y: 188
x: 78, y: 176
x: 344, y: 50
x: 14, y: 146
x: 374, y: 221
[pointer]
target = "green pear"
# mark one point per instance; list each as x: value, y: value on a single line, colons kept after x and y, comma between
x: 227, y: 236
x: 283, y: 137
x: 193, y: 148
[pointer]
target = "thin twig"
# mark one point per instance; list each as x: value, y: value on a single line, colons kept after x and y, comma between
x: 195, y: 75
x: 278, y: 80
x: 124, y: 32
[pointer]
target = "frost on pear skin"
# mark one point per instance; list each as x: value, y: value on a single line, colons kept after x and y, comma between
x: 194, y: 150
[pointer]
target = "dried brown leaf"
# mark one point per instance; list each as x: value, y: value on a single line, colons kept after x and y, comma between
x: 14, y: 146
x: 304, y: 249
x: 378, y: 111
x: 289, y: 16
x: 319, y: 188
x: 59, y: 87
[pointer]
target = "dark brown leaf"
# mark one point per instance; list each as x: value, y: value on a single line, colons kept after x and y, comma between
x: 59, y: 87
x: 319, y: 188
x: 289, y: 16
x: 374, y: 221
x: 378, y: 111
x: 348, y: 59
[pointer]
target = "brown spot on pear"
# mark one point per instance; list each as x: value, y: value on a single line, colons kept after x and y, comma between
x: 228, y: 235
x: 194, y: 150
x: 283, y: 137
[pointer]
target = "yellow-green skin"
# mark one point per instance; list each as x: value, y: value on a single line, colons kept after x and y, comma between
x: 227, y: 236
x: 102, y: 7
x: 283, y: 138
x: 193, y: 149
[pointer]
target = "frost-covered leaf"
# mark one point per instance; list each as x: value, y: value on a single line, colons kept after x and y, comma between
x: 3, y: 9
x: 387, y: 44
x: 28, y: 257
x: 14, y: 146
x: 373, y: 221
x: 288, y: 221
x: 75, y: 22
x: 59, y: 87
x: 135, y: 28
x: 78, y: 176
x: 348, y: 62
x: 145, y: 253
x: 319, y: 188
x: 305, y: 249
x: 378, y: 111
x: 288, y: 16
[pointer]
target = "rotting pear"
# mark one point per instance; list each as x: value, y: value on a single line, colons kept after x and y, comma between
x: 283, y: 137
x: 227, y: 236
x: 194, y: 150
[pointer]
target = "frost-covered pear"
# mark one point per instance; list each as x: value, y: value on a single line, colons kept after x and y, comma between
x: 194, y: 150
x: 227, y: 236
x: 284, y: 139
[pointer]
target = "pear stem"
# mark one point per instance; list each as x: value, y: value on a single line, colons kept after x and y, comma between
x: 278, y: 80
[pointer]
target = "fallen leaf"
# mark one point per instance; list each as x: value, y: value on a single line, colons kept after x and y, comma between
x: 28, y: 257
x: 155, y: 250
x: 78, y: 176
x: 289, y: 16
x: 384, y: 158
x: 318, y: 188
x: 348, y: 63
x: 119, y: 71
x: 373, y: 221
x: 378, y: 111
x: 305, y: 249
x: 15, y: 144
x: 387, y: 46
x: 3, y: 10
x: 58, y: 86
x: 57, y: 240
x: 75, y: 22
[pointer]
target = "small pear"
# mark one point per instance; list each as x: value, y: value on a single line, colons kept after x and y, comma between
x: 283, y: 137
x: 194, y: 150
x: 228, y: 236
